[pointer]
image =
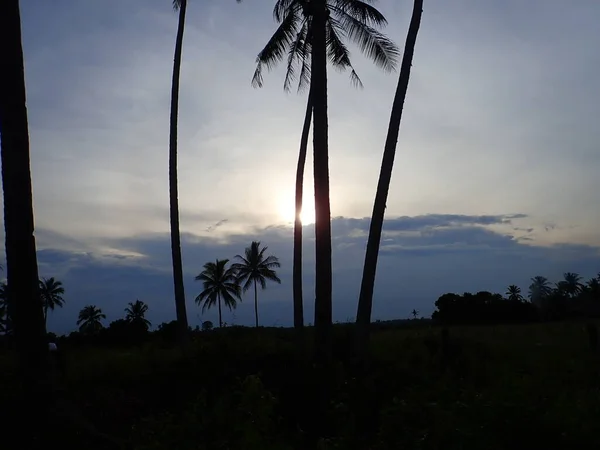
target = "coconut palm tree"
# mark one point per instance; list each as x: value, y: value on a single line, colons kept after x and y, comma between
x: 21, y: 259
x: 254, y: 269
x: 539, y: 289
x: 572, y: 284
x: 136, y: 313
x: 514, y: 293
x: 219, y: 282
x: 294, y: 38
x: 90, y: 319
x: 365, y: 299
x: 51, y: 292
x: 415, y: 313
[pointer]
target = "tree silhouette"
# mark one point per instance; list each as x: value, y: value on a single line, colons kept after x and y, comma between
x: 254, y: 268
x: 514, y: 293
x: 294, y: 38
x: 181, y: 6
x: 51, y: 292
x: 219, y: 283
x: 572, y: 284
x: 207, y: 325
x: 415, y: 313
x: 5, y: 310
x: 90, y: 319
x: 365, y: 299
x: 21, y: 259
x: 136, y: 312
x: 539, y: 289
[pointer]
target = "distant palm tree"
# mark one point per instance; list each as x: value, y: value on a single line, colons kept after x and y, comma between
x: 367, y: 285
x: 90, y: 319
x: 219, y: 283
x: 539, y: 289
x: 415, y: 313
x: 572, y: 284
x: 136, y: 312
x: 347, y: 20
x: 254, y: 268
x: 51, y: 292
x: 514, y: 293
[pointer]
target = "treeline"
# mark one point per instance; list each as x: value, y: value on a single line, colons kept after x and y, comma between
x: 567, y: 299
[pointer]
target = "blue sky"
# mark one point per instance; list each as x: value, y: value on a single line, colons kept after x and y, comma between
x: 496, y: 175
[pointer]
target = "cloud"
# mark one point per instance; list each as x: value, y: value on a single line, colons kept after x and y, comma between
x: 423, y: 258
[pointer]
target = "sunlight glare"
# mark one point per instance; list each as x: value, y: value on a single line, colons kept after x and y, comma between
x: 287, y: 211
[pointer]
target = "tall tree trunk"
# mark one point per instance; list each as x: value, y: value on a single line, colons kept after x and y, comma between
x: 21, y: 261
x: 46, y: 316
x: 365, y: 302
x: 323, y: 275
x: 220, y: 316
x: 256, y: 303
x: 297, y: 271
x: 173, y: 189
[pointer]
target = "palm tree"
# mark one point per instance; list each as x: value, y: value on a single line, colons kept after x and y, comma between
x: 51, y: 292
x: 415, y: 313
x: 254, y: 268
x: 21, y: 259
x: 572, y: 284
x: 365, y: 300
x: 136, y: 313
x: 90, y: 319
x: 294, y: 38
x: 539, y: 289
x: 312, y: 32
x: 5, y: 322
x: 219, y: 282
x: 514, y: 293
x: 181, y: 6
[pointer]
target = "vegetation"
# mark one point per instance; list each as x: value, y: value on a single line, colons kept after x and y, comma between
x: 219, y: 282
x: 51, y: 292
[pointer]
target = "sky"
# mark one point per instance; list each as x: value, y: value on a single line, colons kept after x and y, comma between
x: 495, y: 180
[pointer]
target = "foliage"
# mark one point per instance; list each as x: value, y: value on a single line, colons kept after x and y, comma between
x: 136, y: 312
x: 219, y: 282
x: 51, y: 292
x: 90, y: 319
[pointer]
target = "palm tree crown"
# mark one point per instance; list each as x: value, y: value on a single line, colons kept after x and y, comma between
x: 539, y: 289
x: 353, y: 20
x: 219, y: 282
x: 572, y: 284
x: 514, y: 293
x: 51, y: 292
x: 254, y: 268
x: 136, y: 312
x: 90, y: 318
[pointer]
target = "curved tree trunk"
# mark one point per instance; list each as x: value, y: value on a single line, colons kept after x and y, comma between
x: 297, y: 271
x: 256, y: 303
x: 323, y: 275
x: 182, y: 323
x: 21, y: 261
x: 220, y: 316
x: 365, y: 302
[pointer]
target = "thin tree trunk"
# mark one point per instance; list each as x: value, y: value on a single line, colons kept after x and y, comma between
x: 256, y: 303
x: 46, y: 316
x: 365, y: 302
x: 297, y: 271
x: 173, y: 189
x: 220, y: 317
x: 21, y: 261
x: 321, y: 179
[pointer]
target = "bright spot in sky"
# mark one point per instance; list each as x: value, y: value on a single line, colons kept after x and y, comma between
x: 287, y: 210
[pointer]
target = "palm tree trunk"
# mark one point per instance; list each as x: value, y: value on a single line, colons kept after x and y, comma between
x: 220, y: 316
x: 21, y: 267
x: 173, y: 190
x: 365, y: 302
x: 256, y: 303
x: 323, y: 276
x: 297, y: 271
x: 46, y: 316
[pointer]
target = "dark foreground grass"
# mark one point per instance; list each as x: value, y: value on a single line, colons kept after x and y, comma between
x: 502, y: 387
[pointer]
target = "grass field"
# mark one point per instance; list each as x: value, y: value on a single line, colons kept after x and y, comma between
x: 495, y: 387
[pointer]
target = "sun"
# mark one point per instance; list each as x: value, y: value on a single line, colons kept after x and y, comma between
x: 288, y: 213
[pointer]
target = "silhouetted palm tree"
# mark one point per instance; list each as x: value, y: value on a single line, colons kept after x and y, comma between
x: 254, y: 268
x: 5, y: 320
x: 293, y: 39
x: 365, y: 299
x: 21, y: 259
x: 136, y: 313
x: 514, y: 293
x: 90, y: 319
x: 415, y: 313
x: 572, y: 284
x: 219, y: 283
x: 51, y: 292
x: 181, y: 6
x: 539, y: 289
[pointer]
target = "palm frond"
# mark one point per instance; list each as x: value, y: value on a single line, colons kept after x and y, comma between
x: 360, y: 10
x: 282, y: 8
